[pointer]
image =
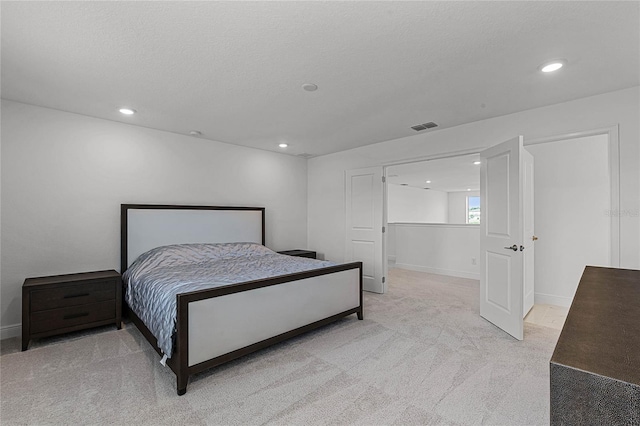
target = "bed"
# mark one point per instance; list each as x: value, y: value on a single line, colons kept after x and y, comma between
x: 235, y: 315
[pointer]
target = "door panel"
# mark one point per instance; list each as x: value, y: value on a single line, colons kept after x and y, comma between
x: 362, y: 209
x: 365, y: 252
x: 498, y: 294
x: 364, y: 202
x: 498, y: 193
x: 501, y: 227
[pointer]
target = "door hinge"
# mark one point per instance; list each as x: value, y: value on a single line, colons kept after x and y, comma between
x: 384, y: 179
x: 384, y: 229
x: 384, y: 279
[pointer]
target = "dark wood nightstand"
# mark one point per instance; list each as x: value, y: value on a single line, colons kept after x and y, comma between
x: 65, y: 303
x: 300, y: 253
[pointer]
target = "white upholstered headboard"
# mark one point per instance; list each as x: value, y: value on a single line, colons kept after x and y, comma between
x: 146, y: 226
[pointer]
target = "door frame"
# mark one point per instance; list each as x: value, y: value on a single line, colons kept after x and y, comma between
x: 613, y: 144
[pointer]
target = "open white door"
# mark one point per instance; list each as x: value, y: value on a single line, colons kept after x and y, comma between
x: 502, y: 236
x: 529, y: 233
x: 364, y: 190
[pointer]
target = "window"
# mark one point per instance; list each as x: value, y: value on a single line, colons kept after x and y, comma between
x: 473, y: 210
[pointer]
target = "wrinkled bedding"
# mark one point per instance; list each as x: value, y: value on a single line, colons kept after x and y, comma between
x: 157, y: 276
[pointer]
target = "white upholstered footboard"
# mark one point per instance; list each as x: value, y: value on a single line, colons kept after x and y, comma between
x: 223, y: 324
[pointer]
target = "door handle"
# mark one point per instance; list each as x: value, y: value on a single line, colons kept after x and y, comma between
x: 513, y: 247
x: 534, y: 238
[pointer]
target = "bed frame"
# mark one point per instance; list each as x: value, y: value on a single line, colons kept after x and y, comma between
x: 218, y: 325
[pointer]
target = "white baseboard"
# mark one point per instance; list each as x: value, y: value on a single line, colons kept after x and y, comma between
x: 10, y: 331
x: 551, y: 299
x: 448, y: 272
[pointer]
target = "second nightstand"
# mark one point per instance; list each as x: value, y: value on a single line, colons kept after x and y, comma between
x: 65, y: 303
x: 300, y: 253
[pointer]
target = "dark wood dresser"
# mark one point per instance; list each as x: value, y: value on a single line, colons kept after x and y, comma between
x: 595, y: 367
x: 64, y: 303
x: 300, y: 253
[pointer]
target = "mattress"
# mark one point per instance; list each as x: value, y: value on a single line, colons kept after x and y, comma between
x: 152, y: 282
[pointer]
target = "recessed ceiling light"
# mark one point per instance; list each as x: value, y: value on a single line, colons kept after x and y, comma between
x: 468, y: 189
x: 553, y: 65
x: 283, y: 145
x: 428, y: 181
x: 477, y: 162
x: 127, y: 111
x: 310, y: 87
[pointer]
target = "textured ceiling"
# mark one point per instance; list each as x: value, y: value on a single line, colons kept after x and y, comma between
x: 234, y: 70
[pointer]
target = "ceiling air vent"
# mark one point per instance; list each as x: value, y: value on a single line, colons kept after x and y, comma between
x: 424, y: 126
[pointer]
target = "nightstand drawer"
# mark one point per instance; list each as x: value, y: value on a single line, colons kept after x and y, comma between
x: 71, y: 316
x: 79, y: 293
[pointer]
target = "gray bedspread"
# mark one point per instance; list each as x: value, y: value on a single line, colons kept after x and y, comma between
x: 153, y: 280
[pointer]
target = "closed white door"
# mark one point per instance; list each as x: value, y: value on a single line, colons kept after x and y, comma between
x: 364, y: 242
x: 529, y: 233
x: 501, y: 236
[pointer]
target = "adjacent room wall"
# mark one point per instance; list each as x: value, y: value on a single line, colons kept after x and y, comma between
x: 411, y: 204
x: 419, y: 237
x: 436, y: 248
x: 65, y: 175
x: 326, y: 193
x: 458, y: 205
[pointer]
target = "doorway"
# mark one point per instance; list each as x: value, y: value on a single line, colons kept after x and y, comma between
x: 575, y: 191
x: 572, y: 213
x: 435, y: 201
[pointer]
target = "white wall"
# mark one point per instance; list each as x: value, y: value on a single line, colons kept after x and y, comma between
x: 458, y: 205
x: 65, y: 175
x: 572, y: 220
x: 436, y: 248
x: 411, y: 204
x: 326, y: 194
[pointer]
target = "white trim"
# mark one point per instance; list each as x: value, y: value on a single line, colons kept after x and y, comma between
x: 9, y: 331
x: 435, y: 225
x: 614, y: 177
x: 439, y: 156
x: 448, y: 272
x: 466, y: 209
x: 551, y: 299
x: 572, y: 135
x: 385, y: 234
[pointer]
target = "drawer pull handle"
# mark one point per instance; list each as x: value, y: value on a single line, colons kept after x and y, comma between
x: 72, y: 316
x: 71, y: 296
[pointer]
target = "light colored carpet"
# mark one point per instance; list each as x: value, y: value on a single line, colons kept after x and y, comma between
x: 422, y: 355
